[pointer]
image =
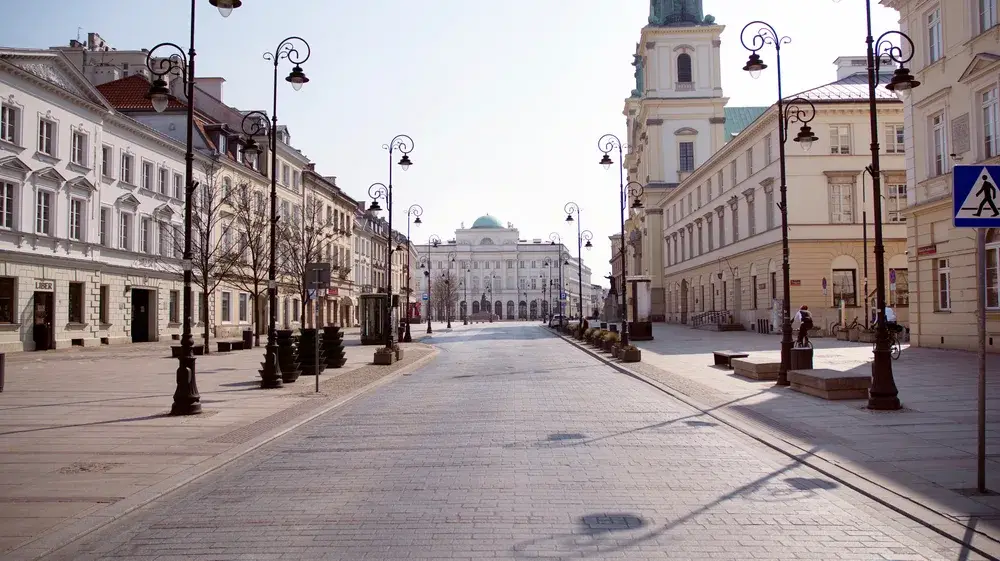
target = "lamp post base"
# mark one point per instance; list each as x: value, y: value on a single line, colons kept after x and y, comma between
x: 449, y: 324
x: 465, y: 321
x: 407, y: 338
x: 186, y: 398
x: 429, y: 330
x: 883, y: 395
x: 270, y: 374
x: 786, y: 354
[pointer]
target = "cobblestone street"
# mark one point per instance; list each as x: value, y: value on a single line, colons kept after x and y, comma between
x: 513, y: 444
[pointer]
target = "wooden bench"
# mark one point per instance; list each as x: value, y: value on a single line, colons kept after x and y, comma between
x: 830, y: 384
x: 757, y: 368
x: 175, y: 350
x: 228, y: 346
x: 724, y: 358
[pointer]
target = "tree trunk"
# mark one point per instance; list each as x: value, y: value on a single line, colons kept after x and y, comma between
x: 204, y: 308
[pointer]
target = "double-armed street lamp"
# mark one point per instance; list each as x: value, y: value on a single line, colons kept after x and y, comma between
x: 556, y: 240
x: 186, y: 400
x: 413, y: 215
x: 883, y: 394
x: 447, y: 284
x: 493, y: 280
x: 433, y: 241
x: 799, y: 110
x: 254, y: 124
x: 606, y: 144
x: 581, y: 237
x: 378, y: 191
x: 465, y: 285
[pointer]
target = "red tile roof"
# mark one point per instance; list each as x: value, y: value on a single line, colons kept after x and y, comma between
x: 129, y: 94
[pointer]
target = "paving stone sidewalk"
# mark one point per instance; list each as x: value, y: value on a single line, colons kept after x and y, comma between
x: 83, y: 429
x: 926, y: 451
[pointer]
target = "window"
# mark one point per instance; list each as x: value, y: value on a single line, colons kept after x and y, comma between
x: 227, y: 307
x: 166, y: 244
x: 202, y: 308
x: 711, y: 237
x: 105, y: 214
x: 46, y: 137
x: 774, y: 286
x: 510, y: 264
x: 295, y: 309
x: 178, y: 186
x: 699, y: 196
x: 708, y: 190
x: 939, y: 159
x: 164, y: 181
x: 749, y: 157
x: 894, y: 139
x: 284, y: 181
x: 690, y: 248
x: 896, y: 202
x: 753, y: 292
x: 736, y: 224
x: 295, y: 179
x: 768, y: 154
x: 722, y: 231
x: 177, y: 240
x: 79, y: 155
x: 686, y: 156
x: 6, y: 204
x: 769, y: 209
x: 701, y: 246
x: 899, y: 291
x: 987, y: 14
x: 751, y: 218
x: 147, y: 176
x: 126, y: 174
x: 227, y: 188
x: 722, y: 186
x: 840, y: 139
x: 732, y: 171
x: 76, y: 302
x: 173, y: 310
x: 124, y: 231
x: 104, y: 304
x: 684, y: 68
x: 43, y: 213
x: 106, y: 155
x: 844, y: 287
x: 8, y: 124
x: 146, y: 235
x: 841, y: 203
x: 244, y: 304
x: 989, y: 107
x: 7, y: 299
x: 76, y: 219
x: 934, y: 35
x: 992, y: 277
x: 944, y: 284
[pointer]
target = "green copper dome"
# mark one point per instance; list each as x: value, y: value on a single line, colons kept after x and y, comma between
x: 487, y: 221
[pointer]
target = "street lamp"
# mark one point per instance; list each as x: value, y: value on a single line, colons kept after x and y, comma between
x: 465, y: 284
x: 633, y: 189
x: 377, y: 191
x: 187, y: 400
x: 797, y: 110
x: 582, y: 236
x: 415, y: 211
x: 255, y: 124
x: 556, y: 240
x: 432, y: 241
x: 883, y: 394
x: 493, y: 279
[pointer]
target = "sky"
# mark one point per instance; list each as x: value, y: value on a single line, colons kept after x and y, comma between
x: 505, y: 100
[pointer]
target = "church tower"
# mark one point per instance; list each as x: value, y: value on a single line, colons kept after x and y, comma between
x: 676, y: 113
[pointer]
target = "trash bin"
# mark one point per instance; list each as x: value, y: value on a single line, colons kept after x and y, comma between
x: 802, y: 359
x: 247, y: 339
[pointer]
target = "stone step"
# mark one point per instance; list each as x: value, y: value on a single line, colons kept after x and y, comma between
x: 756, y: 368
x: 830, y: 384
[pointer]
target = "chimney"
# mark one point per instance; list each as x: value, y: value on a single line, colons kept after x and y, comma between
x: 211, y: 85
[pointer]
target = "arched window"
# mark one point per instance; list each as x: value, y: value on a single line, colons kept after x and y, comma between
x: 486, y: 241
x: 684, y: 68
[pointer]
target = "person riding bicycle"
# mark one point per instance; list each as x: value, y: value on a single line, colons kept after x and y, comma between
x: 804, y: 317
x: 890, y: 320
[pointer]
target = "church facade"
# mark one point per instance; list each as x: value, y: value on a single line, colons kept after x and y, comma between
x: 490, y: 265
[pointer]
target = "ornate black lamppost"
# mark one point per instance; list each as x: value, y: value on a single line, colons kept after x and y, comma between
x: 377, y: 191
x: 415, y: 211
x: 255, y: 124
x: 581, y: 236
x: 465, y: 284
x: 883, y: 394
x: 556, y: 240
x: 797, y: 110
x: 493, y: 279
x: 432, y: 241
x: 633, y: 189
x: 187, y: 400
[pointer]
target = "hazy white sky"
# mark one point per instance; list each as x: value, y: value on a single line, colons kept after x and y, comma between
x: 505, y: 100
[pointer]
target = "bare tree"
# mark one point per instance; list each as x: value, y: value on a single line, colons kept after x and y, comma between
x: 251, y: 222
x: 305, y: 238
x: 444, y: 295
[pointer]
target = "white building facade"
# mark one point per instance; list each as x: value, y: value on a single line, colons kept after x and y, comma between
x: 518, y: 278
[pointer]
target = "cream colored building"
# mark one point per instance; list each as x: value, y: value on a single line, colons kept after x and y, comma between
x: 721, y: 227
x: 951, y: 118
x: 337, y: 229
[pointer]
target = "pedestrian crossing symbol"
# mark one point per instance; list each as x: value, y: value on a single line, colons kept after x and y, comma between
x: 976, y: 196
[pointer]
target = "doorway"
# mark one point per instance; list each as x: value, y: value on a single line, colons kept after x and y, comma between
x: 141, y: 315
x: 43, y: 331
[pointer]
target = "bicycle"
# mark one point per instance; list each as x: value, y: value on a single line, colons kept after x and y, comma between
x: 895, y: 348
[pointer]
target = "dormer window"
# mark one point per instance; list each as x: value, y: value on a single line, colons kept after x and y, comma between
x: 222, y: 143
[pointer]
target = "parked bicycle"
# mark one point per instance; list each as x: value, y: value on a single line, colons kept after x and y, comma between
x: 895, y: 348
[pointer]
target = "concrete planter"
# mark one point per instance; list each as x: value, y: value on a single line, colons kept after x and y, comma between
x: 615, y: 350
x: 630, y: 356
x: 384, y: 357
x: 867, y: 337
x: 854, y: 335
x: 842, y: 335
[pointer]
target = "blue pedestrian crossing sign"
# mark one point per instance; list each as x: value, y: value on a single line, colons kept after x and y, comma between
x: 976, y: 196
x: 425, y: 297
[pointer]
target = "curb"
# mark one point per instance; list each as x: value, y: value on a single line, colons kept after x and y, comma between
x: 75, y: 529
x: 975, y: 540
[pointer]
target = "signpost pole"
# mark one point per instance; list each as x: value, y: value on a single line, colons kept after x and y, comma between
x: 981, y: 299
